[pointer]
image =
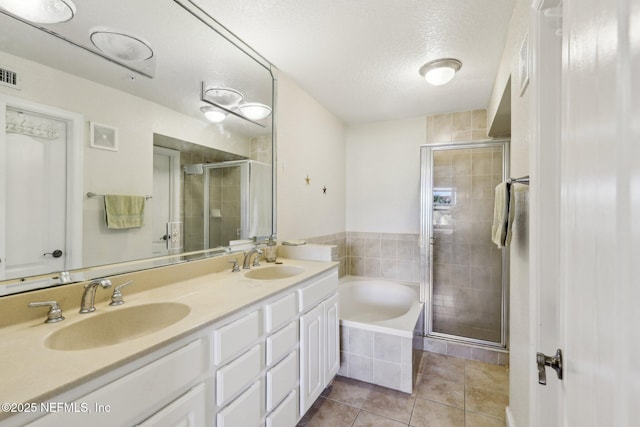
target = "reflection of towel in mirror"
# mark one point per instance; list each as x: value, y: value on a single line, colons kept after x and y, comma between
x: 501, y: 214
x: 124, y: 211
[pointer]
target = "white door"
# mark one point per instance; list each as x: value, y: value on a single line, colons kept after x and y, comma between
x: 166, y: 196
x: 588, y: 308
x: 311, y: 357
x: 544, y: 262
x: 34, y: 194
x: 332, y: 327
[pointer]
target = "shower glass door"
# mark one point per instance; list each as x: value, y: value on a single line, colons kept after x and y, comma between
x: 464, y: 274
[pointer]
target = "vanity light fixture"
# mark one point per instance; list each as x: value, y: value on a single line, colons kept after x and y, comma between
x: 213, y: 114
x: 41, y: 11
x: 223, y: 96
x: 121, y: 46
x: 254, y: 110
x: 440, y: 71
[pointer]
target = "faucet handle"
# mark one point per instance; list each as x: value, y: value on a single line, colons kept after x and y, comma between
x: 235, y: 267
x: 55, y: 312
x: 116, y: 298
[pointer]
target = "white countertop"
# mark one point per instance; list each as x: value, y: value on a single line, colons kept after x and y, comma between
x: 31, y: 372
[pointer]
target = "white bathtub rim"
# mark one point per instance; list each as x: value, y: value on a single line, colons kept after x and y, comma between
x: 402, y: 326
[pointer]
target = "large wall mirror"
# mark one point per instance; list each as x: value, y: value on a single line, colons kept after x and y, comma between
x: 147, y: 110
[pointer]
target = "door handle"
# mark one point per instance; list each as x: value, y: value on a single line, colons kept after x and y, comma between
x: 554, y: 362
x: 56, y: 254
x: 166, y: 237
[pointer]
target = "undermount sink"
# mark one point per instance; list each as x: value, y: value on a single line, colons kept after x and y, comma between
x: 274, y: 272
x: 120, y: 325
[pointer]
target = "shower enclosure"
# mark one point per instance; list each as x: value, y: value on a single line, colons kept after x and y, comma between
x: 224, y: 202
x: 464, y: 281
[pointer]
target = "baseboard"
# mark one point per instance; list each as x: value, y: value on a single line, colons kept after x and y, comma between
x: 510, y: 422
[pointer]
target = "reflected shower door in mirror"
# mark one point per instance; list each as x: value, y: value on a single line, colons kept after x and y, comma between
x: 120, y: 112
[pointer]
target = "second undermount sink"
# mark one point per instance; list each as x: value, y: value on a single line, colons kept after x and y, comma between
x: 117, y: 326
x: 274, y: 272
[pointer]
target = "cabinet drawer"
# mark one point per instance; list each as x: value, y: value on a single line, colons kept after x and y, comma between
x: 285, y: 415
x: 281, y: 379
x: 246, y: 411
x: 232, y: 338
x: 312, y: 294
x: 188, y: 410
x: 282, y: 342
x: 159, y: 381
x: 280, y: 312
x: 236, y: 375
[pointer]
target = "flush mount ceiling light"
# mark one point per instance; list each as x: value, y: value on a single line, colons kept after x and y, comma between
x: 224, y: 96
x: 213, y: 114
x: 440, y: 71
x: 255, y: 110
x: 121, y: 46
x: 41, y: 11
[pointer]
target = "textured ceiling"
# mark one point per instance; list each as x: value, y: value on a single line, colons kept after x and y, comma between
x: 360, y: 58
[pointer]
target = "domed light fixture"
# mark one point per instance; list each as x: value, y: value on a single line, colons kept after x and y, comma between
x: 224, y: 96
x: 440, y: 71
x: 254, y: 110
x: 213, y: 114
x: 41, y: 11
x: 121, y: 46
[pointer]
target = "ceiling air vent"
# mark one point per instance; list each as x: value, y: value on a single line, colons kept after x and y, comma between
x: 9, y: 78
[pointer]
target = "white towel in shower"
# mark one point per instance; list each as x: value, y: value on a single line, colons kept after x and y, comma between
x: 501, y: 214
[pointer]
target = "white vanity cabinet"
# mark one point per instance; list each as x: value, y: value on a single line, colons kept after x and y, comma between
x: 319, y: 338
x: 262, y: 366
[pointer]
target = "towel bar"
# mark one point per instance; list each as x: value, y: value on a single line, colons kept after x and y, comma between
x: 92, y: 194
x: 522, y: 180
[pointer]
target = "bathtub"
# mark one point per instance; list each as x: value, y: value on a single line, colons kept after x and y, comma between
x: 377, y: 320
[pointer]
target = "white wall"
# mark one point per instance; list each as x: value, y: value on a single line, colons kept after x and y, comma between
x: 519, y: 333
x: 310, y: 141
x: 383, y: 176
x: 127, y: 171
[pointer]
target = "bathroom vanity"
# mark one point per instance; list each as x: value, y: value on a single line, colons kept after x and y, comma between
x: 255, y: 348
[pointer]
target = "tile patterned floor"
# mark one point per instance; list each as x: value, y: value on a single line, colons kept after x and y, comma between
x: 450, y: 392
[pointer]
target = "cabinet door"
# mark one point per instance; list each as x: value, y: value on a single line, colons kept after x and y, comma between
x: 311, y: 357
x: 332, y: 345
x: 187, y: 411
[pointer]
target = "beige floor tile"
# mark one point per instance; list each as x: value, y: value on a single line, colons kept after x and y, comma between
x: 349, y: 391
x: 487, y: 376
x: 367, y: 419
x: 390, y: 403
x: 433, y: 414
x: 440, y: 390
x: 329, y: 413
x: 478, y: 420
x: 486, y: 402
x: 443, y: 366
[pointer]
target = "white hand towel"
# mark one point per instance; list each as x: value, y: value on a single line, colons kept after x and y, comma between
x: 501, y: 214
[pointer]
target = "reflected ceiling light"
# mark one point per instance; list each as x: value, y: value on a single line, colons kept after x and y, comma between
x: 213, y: 114
x: 41, y: 11
x: 121, y: 46
x: 224, y: 96
x: 255, y: 110
x: 440, y: 71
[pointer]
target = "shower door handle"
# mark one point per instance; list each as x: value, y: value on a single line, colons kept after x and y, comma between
x: 554, y: 362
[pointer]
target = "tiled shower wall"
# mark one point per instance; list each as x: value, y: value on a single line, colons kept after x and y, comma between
x: 467, y: 266
x: 385, y: 255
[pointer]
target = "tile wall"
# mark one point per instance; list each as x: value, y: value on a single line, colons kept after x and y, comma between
x: 463, y: 126
x: 382, y: 255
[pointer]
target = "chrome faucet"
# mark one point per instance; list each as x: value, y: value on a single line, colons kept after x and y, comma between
x: 89, y: 295
x: 247, y: 258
